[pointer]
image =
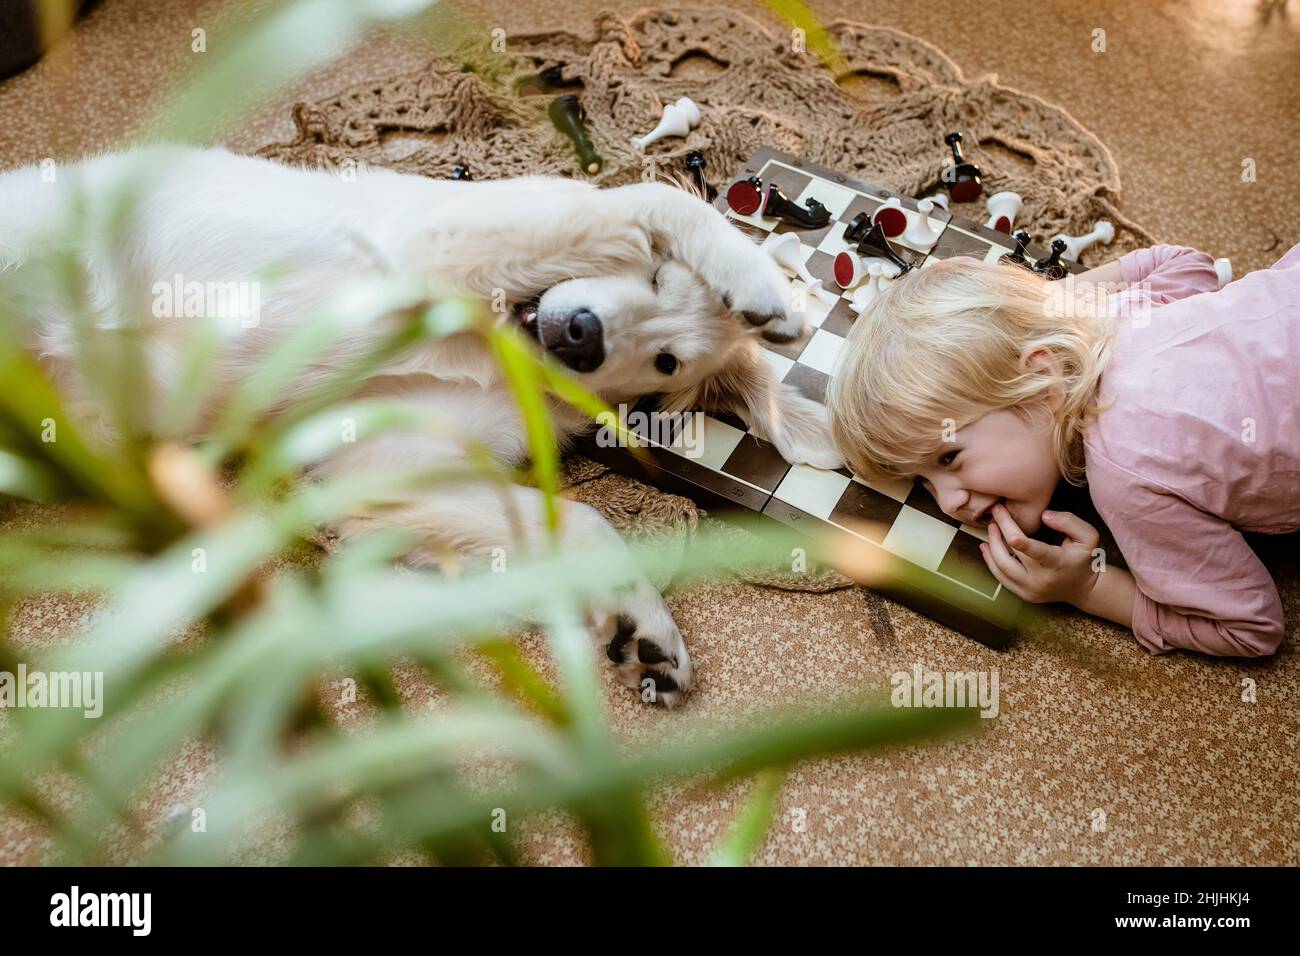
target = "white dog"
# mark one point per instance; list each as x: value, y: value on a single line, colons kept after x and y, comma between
x: 641, y: 289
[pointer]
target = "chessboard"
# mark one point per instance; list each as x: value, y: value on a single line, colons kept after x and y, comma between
x: 937, y: 566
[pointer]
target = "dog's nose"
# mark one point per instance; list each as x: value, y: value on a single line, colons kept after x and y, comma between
x: 582, y: 342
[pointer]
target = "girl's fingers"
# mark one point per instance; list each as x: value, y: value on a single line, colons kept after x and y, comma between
x: 1004, y: 560
x: 1024, y: 545
x: 1073, y: 527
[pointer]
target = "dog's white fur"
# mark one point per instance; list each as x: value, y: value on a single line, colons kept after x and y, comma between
x: 662, y: 270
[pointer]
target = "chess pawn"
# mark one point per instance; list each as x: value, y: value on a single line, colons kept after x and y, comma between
x: 1223, y: 269
x: 679, y: 119
x: 851, y: 269
x: 1017, y: 256
x: 694, y: 164
x: 1051, y: 268
x: 1003, y: 208
x: 785, y: 250
x: 920, y: 233
x: 1102, y: 231
x: 864, y: 295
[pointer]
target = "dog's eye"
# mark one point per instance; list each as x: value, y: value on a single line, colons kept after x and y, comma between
x: 654, y: 280
x: 666, y: 363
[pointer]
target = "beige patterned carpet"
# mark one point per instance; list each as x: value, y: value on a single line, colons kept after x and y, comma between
x: 1183, y: 769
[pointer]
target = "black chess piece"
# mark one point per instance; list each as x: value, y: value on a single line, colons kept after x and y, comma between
x: 875, y: 244
x: 567, y: 115
x: 694, y: 163
x: 1052, y: 267
x: 547, y: 81
x: 961, y: 178
x: 1017, y: 256
x: 812, y: 215
x: 858, y: 227
x: 461, y: 172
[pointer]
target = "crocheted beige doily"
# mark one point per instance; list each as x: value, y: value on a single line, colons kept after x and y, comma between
x: 880, y: 116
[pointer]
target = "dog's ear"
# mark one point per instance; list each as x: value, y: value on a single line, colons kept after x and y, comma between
x: 797, y: 426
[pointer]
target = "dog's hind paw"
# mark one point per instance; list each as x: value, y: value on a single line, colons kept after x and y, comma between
x: 648, y: 653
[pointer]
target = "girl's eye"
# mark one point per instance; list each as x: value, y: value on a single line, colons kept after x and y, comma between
x: 665, y: 363
x: 947, y: 458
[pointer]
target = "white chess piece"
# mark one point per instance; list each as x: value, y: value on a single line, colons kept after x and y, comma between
x: 785, y: 250
x: 849, y: 269
x: 939, y: 199
x: 854, y: 268
x: 879, y: 278
x: 1102, y: 231
x: 679, y: 119
x: 920, y: 233
x: 1003, y: 205
x: 1223, y: 269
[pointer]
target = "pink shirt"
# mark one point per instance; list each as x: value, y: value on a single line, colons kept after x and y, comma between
x: 1202, y: 442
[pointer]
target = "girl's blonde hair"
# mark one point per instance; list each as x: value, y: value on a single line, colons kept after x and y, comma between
x: 944, y: 345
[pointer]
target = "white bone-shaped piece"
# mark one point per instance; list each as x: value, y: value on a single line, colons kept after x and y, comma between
x: 679, y: 119
x: 1102, y: 231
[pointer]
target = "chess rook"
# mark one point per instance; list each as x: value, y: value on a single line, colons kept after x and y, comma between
x: 679, y: 119
x: 566, y: 113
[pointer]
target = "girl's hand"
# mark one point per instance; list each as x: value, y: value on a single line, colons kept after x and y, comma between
x: 1039, y: 572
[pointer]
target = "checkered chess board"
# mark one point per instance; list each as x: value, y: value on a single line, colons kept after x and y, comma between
x: 941, y: 572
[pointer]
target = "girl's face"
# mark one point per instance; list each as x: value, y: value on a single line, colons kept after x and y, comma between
x: 1001, y: 457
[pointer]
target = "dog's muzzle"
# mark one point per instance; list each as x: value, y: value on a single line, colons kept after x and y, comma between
x: 577, y: 339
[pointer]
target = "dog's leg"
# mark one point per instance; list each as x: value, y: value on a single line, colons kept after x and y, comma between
x: 634, y: 627
x: 690, y: 230
x: 525, y: 236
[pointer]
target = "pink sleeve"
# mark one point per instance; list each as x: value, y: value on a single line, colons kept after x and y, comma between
x: 1200, y: 587
x: 1170, y: 272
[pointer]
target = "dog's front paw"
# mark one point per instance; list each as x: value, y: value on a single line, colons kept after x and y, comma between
x: 761, y: 293
x: 646, y: 649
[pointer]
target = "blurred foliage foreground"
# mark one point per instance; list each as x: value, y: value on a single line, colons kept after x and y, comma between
x: 197, y: 641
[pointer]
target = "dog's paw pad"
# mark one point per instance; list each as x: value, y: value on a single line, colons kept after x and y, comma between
x: 659, y: 676
x: 616, y: 649
x: 781, y: 334
x: 754, y: 317
x: 648, y: 652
